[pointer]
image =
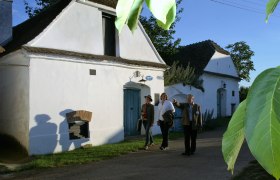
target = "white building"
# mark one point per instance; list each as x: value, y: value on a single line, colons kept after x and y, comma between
x: 70, y: 58
x: 219, y: 75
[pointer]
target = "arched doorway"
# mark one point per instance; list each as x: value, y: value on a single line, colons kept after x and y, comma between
x: 221, y: 102
x: 133, y: 98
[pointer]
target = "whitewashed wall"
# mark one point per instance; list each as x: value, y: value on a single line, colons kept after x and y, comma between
x: 221, y: 63
x: 140, y: 46
x: 79, y: 28
x: 59, y: 86
x: 211, y: 84
x: 207, y: 99
x: 14, y: 94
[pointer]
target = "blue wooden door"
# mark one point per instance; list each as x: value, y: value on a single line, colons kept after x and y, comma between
x: 131, y: 111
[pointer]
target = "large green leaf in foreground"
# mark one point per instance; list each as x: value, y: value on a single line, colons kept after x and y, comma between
x: 270, y: 7
x: 164, y: 11
x: 128, y: 12
x: 262, y: 122
x: 234, y: 136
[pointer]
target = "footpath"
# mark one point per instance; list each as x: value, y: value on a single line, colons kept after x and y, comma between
x: 206, y: 164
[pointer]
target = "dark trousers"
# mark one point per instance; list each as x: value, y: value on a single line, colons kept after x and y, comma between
x: 148, y: 133
x: 190, y: 138
x: 164, y: 131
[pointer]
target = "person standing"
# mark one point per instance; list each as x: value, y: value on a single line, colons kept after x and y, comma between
x: 147, y: 112
x: 166, y: 109
x: 192, y: 121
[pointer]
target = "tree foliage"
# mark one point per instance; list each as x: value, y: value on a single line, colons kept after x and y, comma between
x: 241, y: 55
x: 178, y: 74
x: 41, y: 5
x: 243, y: 92
x: 163, y: 40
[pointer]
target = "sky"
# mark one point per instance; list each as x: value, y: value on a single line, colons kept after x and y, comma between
x: 223, y: 21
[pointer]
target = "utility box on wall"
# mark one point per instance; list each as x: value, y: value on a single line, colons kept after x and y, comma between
x: 78, y: 123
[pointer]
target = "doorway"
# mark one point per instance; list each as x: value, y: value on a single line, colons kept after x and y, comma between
x: 221, y: 102
x: 131, y: 111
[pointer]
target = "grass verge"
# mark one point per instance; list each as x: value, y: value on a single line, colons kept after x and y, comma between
x: 86, y: 154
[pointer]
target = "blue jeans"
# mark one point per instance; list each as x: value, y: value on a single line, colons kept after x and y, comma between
x: 148, y: 132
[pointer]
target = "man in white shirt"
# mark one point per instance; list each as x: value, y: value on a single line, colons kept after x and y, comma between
x: 164, y: 106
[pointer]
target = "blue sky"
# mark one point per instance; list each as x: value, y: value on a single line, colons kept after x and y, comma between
x: 223, y: 21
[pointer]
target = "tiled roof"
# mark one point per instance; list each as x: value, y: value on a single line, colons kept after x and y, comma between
x: 28, y: 30
x: 90, y: 57
x: 110, y: 3
x: 197, y: 55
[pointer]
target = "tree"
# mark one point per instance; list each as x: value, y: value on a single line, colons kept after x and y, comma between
x: 163, y: 40
x: 41, y: 6
x: 241, y: 55
x: 243, y: 92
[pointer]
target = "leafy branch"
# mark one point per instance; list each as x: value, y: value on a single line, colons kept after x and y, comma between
x: 178, y: 74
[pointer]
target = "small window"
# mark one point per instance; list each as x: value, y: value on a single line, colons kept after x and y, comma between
x: 232, y: 108
x: 78, y: 124
x: 109, y: 34
x: 92, y: 72
x: 78, y: 130
x: 156, y: 99
x: 233, y: 93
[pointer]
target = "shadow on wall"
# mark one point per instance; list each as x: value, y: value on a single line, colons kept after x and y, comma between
x: 11, y: 151
x: 64, y: 140
x: 116, y: 137
x: 43, y: 135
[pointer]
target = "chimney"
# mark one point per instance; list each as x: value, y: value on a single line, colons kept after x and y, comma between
x: 6, y: 26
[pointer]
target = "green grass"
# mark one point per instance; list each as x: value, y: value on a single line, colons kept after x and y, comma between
x: 253, y: 172
x: 86, y: 155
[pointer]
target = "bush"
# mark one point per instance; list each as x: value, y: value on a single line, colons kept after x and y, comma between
x: 212, y: 124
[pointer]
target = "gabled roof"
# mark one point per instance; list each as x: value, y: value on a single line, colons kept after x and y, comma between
x: 28, y: 30
x: 197, y: 55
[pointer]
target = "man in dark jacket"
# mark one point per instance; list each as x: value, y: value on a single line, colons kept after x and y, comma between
x: 192, y: 121
x: 147, y: 112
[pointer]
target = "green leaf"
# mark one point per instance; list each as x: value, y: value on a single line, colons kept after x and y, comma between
x: 234, y: 136
x: 164, y: 11
x: 134, y: 15
x: 128, y: 12
x: 270, y: 7
x: 262, y: 123
x: 169, y: 19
